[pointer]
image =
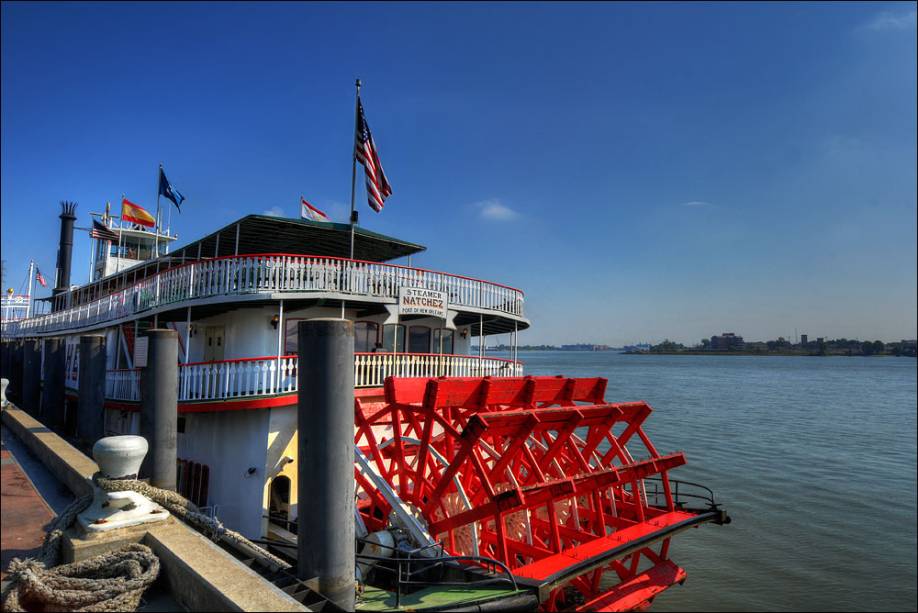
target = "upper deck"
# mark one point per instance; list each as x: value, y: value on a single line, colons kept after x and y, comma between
x: 227, y: 268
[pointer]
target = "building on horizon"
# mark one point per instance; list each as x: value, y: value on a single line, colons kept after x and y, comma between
x: 728, y: 341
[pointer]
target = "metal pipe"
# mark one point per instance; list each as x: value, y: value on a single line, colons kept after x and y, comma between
x: 65, y: 248
x: 325, y: 456
x: 159, y: 407
x: 90, y: 423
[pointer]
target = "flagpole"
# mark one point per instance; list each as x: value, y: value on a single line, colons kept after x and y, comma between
x: 92, y: 254
x: 354, y: 164
x: 120, y: 234
x: 158, y: 209
x: 31, y: 279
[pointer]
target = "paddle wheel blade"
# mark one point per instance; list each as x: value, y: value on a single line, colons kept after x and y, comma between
x: 539, y: 473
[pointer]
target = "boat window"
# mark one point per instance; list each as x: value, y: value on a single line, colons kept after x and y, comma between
x: 419, y: 339
x: 290, y: 336
x: 389, y: 334
x: 443, y: 341
x: 366, y: 335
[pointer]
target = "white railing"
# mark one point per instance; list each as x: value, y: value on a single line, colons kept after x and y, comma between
x: 371, y: 369
x: 237, y: 378
x: 123, y: 384
x: 228, y: 379
x: 253, y: 274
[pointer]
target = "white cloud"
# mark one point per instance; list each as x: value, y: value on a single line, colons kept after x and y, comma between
x: 494, y: 210
x: 697, y: 204
x: 892, y: 20
x: 274, y: 211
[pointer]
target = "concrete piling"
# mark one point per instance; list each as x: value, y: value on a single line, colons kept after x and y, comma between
x: 4, y: 359
x: 31, y: 376
x: 14, y: 392
x: 52, y: 394
x: 90, y: 419
x: 325, y: 471
x: 159, y: 408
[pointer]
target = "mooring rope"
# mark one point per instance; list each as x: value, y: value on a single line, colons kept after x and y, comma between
x: 113, y: 581
x: 188, y: 512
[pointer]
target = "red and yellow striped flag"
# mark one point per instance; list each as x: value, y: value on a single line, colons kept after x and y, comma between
x: 136, y: 214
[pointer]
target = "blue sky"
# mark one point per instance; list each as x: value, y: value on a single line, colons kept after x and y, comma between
x: 641, y: 171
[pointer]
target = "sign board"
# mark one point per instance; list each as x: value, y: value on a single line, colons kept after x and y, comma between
x: 427, y: 302
x: 140, y: 351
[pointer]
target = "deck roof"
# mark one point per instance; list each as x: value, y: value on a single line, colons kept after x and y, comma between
x: 267, y: 234
x: 261, y: 234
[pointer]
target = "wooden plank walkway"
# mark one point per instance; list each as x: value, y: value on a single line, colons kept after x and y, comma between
x: 24, y: 514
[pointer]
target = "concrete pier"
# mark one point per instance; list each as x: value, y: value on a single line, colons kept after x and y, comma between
x: 325, y: 422
x: 159, y: 408
x: 90, y: 422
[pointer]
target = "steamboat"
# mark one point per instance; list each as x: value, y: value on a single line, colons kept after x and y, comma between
x: 478, y: 488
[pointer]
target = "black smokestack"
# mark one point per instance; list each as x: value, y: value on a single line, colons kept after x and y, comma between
x: 65, y: 247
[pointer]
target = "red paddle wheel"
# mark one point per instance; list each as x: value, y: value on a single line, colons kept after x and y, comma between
x: 539, y: 473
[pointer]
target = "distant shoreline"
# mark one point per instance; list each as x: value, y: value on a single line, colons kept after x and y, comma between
x: 717, y: 353
x: 769, y: 353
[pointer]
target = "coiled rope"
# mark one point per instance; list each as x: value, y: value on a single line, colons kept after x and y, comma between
x: 113, y: 581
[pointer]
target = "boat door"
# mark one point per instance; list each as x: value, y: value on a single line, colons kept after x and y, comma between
x: 213, y: 343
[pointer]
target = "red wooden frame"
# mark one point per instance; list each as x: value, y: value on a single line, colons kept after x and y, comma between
x: 536, y: 472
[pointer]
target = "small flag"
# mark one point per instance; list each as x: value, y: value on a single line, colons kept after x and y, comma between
x: 378, y: 188
x: 307, y: 211
x: 101, y: 232
x: 136, y: 214
x: 167, y: 190
x: 40, y: 278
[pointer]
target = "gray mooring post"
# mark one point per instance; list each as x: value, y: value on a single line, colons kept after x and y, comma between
x: 52, y: 393
x: 325, y: 422
x: 31, y: 376
x: 16, y: 377
x: 4, y: 359
x: 159, y: 407
x: 90, y: 419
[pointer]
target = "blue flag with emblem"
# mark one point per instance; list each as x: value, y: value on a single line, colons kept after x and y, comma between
x: 167, y: 190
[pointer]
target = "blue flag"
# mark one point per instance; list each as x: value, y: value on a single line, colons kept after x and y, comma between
x: 168, y: 190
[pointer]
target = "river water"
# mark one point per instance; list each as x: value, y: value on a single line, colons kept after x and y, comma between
x: 813, y: 458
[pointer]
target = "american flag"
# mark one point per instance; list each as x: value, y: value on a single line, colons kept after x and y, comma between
x: 378, y: 188
x: 40, y: 278
x: 101, y: 232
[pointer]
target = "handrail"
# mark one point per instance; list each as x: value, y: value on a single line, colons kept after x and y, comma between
x: 270, y: 375
x: 331, y: 257
x: 258, y: 274
x: 434, y: 355
x: 697, y: 491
